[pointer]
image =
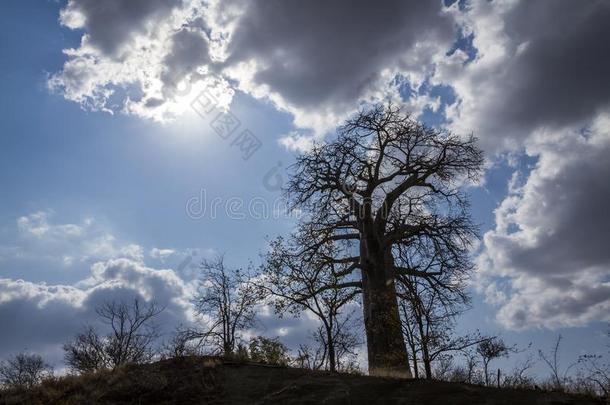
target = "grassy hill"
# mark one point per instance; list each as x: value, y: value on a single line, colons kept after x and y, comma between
x: 197, y: 380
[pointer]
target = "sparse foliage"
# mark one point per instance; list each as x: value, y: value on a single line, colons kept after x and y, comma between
x: 559, y: 375
x: 295, y: 286
x: 489, y: 350
x: 23, y: 370
x: 269, y: 351
x: 130, y: 339
x: 227, y: 299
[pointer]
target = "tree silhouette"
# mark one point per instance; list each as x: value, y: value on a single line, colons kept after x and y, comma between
x: 130, y: 340
x: 295, y: 285
x: 389, y: 188
x: 227, y: 299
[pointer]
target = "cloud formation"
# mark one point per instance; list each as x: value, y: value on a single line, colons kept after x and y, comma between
x: 39, y: 238
x: 315, y: 61
x: 319, y: 60
x: 547, y: 263
x: 116, y: 271
x: 60, y: 311
x: 529, y: 78
x: 538, y: 64
x: 137, y: 57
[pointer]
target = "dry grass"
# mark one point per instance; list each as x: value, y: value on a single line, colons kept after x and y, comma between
x: 209, y: 380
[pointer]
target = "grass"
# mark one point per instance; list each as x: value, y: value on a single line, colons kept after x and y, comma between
x: 210, y: 380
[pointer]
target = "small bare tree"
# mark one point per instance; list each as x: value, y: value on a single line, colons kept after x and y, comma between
x: 518, y: 377
x: 597, y: 372
x: 489, y: 350
x: 24, y: 371
x: 227, y: 299
x: 86, y: 352
x: 312, y: 358
x: 429, y: 319
x: 559, y: 377
x: 130, y: 339
x: 181, y: 344
x: 295, y: 285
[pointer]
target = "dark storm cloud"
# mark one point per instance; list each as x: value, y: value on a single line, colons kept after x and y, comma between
x: 110, y: 23
x: 189, y: 50
x: 551, y: 234
x: 538, y: 64
x: 562, y: 76
x: 333, y: 52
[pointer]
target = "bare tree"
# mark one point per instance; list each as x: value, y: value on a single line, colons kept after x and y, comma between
x: 489, y: 350
x: 228, y: 299
x: 181, y: 344
x: 429, y: 318
x: 471, y: 363
x: 391, y: 186
x: 87, y: 352
x: 312, y: 358
x: 24, y: 371
x: 597, y: 372
x: 518, y: 378
x: 130, y: 340
x: 551, y: 359
x: 467, y: 370
x: 295, y: 285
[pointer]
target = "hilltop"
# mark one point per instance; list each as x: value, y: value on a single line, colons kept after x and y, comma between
x: 209, y: 380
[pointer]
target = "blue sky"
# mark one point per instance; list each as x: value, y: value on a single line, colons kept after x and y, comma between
x: 123, y: 180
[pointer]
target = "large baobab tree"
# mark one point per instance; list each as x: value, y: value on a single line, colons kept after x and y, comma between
x: 388, y: 187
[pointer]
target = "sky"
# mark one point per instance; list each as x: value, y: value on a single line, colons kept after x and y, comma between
x: 138, y: 137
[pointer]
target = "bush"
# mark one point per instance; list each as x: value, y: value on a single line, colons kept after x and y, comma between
x: 269, y: 351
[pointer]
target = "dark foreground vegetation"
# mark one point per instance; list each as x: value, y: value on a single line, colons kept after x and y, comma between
x: 212, y: 380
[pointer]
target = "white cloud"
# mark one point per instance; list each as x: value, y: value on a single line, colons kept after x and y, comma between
x: 537, y: 65
x: 39, y: 237
x: 27, y: 308
x: 161, y: 254
x: 547, y: 263
x: 135, y: 54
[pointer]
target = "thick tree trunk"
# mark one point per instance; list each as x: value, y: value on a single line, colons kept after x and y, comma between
x: 387, y: 352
